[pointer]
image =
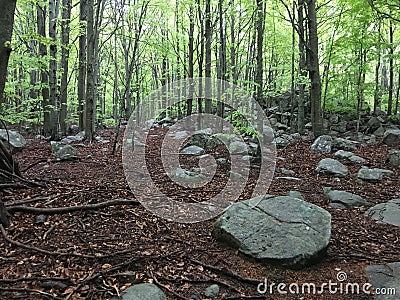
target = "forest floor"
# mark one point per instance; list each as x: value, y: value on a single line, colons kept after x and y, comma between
x: 96, y: 254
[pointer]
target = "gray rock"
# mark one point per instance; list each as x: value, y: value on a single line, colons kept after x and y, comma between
x: 373, y: 124
x: 282, y: 230
x: 349, y: 156
x: 207, y: 131
x: 286, y: 171
x: 385, y: 276
x: 222, y: 161
x: 238, y: 147
x: 343, y: 144
x: 235, y: 176
x: 380, y: 132
x: 396, y: 201
x: 192, y: 150
x: 340, y: 127
x: 392, y: 137
x: 62, y: 151
x: 281, y: 142
x: 388, y: 212
x: 357, y: 159
x: 212, y: 291
x: 166, y: 120
x: 203, y: 140
x: 143, y: 291
x: 374, y: 174
x: 322, y: 143
x: 179, y: 135
x: 393, y: 158
x: 347, y: 199
x: 371, y: 140
x: 343, y: 154
x: 80, y: 136
x: 332, y: 167
x: 180, y: 174
x: 16, y: 141
x: 295, y: 194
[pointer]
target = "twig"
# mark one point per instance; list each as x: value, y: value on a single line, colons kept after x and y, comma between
x: 34, y: 164
x: 19, y: 279
x: 13, y: 185
x: 167, y: 288
x: 4, y: 172
x: 96, y: 275
x: 48, y: 232
x: 25, y: 290
x: 69, y: 209
x: 51, y: 253
x: 226, y: 272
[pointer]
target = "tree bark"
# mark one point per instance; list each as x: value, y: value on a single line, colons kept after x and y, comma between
x: 7, y: 8
x: 90, y: 73
x: 82, y: 63
x: 207, y: 69
x: 44, y: 76
x: 65, y: 30
x: 315, y: 78
x: 391, y: 70
x: 52, y: 128
x: 302, y: 67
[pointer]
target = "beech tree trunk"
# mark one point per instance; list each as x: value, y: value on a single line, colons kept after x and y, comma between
x: 7, y: 8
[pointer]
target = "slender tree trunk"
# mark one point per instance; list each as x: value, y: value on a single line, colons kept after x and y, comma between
x: 302, y: 67
x: 200, y: 57
x: 52, y: 128
x: 7, y: 8
x: 82, y: 64
x: 377, y: 96
x: 44, y: 77
x: 315, y: 78
x: 189, y: 102
x: 90, y: 72
x: 222, y: 56
x: 391, y: 69
x: 397, y: 95
x: 259, y: 56
x: 208, y: 38
x: 65, y: 29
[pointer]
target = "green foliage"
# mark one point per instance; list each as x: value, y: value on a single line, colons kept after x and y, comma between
x: 241, y: 123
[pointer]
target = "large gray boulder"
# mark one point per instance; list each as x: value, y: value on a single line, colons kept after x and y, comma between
x: 374, y: 174
x: 388, y: 212
x: 346, y: 199
x: 16, y: 141
x: 332, y: 167
x: 62, y: 151
x: 392, y: 137
x: 282, y: 230
x: 143, y: 291
x: 322, y: 143
x: 393, y: 158
x: 385, y: 276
